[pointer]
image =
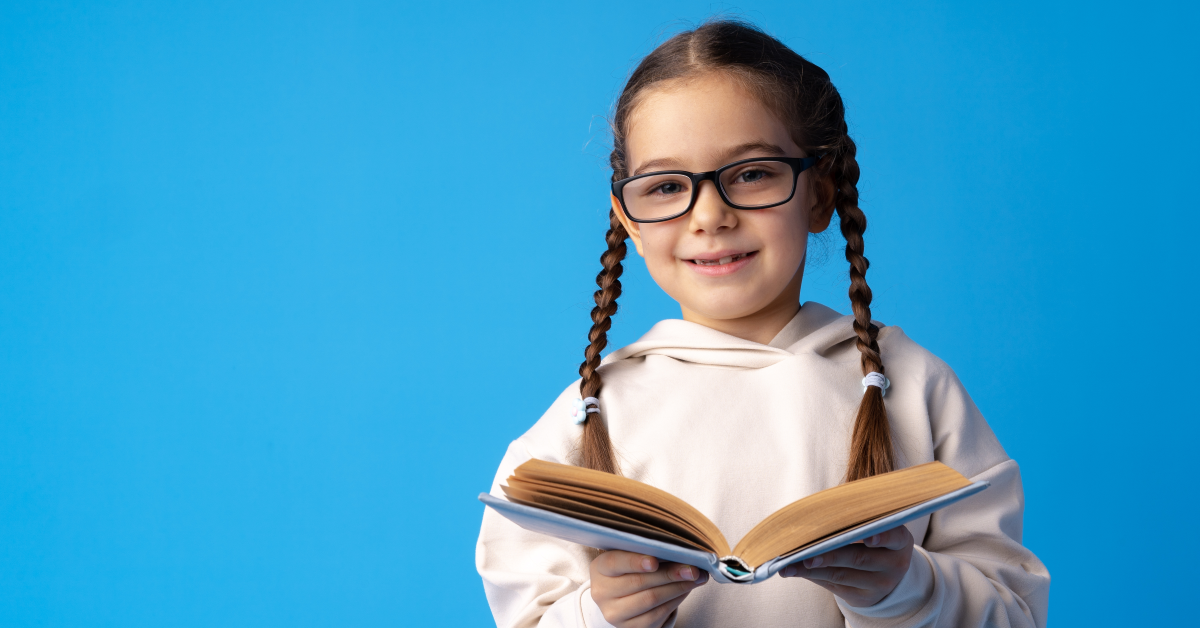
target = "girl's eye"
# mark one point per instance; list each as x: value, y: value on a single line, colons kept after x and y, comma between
x: 667, y: 188
x: 751, y: 176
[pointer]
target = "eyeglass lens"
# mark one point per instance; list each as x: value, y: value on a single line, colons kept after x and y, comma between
x: 756, y: 184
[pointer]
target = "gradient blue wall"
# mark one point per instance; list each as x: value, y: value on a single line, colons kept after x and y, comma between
x: 280, y: 281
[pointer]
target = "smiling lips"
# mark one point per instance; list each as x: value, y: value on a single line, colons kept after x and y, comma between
x: 723, y: 265
x: 722, y: 261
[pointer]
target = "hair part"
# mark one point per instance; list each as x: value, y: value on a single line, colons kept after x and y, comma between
x: 804, y: 98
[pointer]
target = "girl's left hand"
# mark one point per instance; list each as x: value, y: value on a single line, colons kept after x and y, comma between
x: 862, y: 573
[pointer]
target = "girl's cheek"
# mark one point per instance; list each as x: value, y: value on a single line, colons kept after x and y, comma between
x: 658, y: 247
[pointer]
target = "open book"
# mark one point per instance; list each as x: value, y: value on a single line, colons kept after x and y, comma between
x: 610, y: 512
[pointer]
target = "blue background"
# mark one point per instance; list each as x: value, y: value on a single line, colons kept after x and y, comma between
x: 280, y: 281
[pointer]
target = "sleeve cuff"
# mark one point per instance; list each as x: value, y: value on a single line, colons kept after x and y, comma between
x: 592, y: 617
x: 909, y: 596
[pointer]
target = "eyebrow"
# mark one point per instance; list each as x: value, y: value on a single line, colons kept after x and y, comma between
x: 661, y: 163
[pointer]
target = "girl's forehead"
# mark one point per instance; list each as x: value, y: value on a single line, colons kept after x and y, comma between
x: 698, y: 120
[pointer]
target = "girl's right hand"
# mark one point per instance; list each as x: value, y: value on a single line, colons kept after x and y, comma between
x: 635, y: 591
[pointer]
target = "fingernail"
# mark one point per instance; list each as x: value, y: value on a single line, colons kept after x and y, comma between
x: 814, y: 562
x: 647, y: 565
x: 687, y: 573
x: 873, y: 540
x: 788, y: 572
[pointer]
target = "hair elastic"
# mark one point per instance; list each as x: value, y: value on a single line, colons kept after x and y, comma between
x: 878, y: 380
x: 580, y: 409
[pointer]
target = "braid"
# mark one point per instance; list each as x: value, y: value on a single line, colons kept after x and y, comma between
x: 871, y: 444
x: 596, y: 450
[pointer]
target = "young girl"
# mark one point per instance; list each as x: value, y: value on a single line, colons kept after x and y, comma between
x: 729, y: 149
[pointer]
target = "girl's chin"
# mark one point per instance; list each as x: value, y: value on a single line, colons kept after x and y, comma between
x: 725, y: 309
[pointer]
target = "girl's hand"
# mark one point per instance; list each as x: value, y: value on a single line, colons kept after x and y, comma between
x: 635, y: 591
x: 862, y: 573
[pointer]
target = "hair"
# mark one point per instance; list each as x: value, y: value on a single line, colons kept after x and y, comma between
x: 805, y: 100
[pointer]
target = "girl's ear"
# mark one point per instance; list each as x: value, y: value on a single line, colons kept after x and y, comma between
x: 631, y: 227
x: 824, y: 192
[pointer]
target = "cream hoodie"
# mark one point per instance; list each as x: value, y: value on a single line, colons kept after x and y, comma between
x: 740, y: 429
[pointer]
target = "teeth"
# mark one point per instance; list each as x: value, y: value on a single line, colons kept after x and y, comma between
x: 718, y: 262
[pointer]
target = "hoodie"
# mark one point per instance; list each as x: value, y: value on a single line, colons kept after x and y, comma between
x: 740, y: 429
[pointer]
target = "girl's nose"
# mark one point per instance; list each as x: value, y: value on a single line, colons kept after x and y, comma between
x: 710, y: 214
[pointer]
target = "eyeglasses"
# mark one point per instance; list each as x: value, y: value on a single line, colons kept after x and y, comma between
x: 747, y: 184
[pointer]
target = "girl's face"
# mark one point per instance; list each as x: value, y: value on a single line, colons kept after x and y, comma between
x: 700, y: 125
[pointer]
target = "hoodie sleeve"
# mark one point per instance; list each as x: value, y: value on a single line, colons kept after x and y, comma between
x: 970, y: 568
x: 532, y: 579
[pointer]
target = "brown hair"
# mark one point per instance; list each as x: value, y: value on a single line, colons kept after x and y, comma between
x: 807, y: 102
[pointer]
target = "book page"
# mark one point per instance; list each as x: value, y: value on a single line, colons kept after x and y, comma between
x: 598, y: 516
x: 644, y: 497
x: 828, y: 512
x: 595, y: 502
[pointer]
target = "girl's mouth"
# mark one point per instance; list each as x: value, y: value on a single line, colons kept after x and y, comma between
x: 728, y: 259
x: 722, y: 266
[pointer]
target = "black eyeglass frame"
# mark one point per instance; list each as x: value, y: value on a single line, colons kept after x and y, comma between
x: 798, y: 164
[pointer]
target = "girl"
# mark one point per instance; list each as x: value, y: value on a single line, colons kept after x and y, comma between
x: 728, y: 150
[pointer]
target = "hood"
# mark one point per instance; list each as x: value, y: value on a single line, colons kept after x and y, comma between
x: 814, y: 329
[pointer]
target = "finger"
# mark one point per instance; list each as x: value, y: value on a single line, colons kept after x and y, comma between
x: 629, y: 584
x: 895, y: 539
x: 855, y: 556
x: 643, y: 601
x: 853, y: 596
x: 841, y: 576
x: 657, y: 616
x: 617, y: 563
